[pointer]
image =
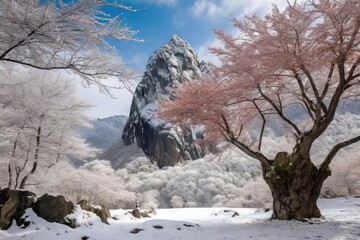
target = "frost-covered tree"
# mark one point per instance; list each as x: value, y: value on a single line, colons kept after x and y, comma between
x: 37, y: 119
x: 304, y: 58
x: 39, y: 116
x: 71, y: 35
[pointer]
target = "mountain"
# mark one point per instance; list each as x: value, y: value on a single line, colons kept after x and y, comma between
x: 104, y: 131
x: 165, y: 144
x: 120, y: 155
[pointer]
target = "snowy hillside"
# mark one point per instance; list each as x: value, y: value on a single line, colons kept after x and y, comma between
x: 119, y: 155
x: 341, y: 221
x: 226, y: 180
x: 229, y: 179
x: 104, y: 131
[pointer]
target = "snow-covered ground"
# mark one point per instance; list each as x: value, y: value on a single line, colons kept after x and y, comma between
x: 341, y: 221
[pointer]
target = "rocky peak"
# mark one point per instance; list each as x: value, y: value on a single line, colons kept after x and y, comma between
x: 170, y: 65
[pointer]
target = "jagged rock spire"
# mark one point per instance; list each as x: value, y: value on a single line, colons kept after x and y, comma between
x: 170, y: 65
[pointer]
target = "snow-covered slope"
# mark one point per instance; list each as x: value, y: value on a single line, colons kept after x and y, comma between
x: 170, y: 65
x: 104, y: 131
x: 227, y: 180
x: 119, y: 154
x: 341, y: 222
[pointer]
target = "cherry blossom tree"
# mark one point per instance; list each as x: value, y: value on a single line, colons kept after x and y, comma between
x: 70, y: 35
x: 305, y: 57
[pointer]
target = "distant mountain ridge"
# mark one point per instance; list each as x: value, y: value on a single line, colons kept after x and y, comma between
x: 104, y: 132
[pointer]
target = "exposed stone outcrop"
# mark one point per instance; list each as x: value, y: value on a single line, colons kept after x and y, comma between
x: 12, y: 206
x: 102, y: 212
x: 55, y: 209
x: 165, y: 144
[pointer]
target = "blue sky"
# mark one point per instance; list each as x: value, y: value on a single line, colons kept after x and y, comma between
x: 158, y: 20
x: 192, y: 20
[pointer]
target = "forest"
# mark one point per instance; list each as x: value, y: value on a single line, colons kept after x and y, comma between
x: 271, y: 124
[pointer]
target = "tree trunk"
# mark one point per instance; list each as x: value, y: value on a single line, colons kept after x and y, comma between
x: 295, y: 185
x: 36, y: 159
x: 10, y: 179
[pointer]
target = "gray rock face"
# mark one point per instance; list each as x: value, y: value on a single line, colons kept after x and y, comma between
x: 164, y: 143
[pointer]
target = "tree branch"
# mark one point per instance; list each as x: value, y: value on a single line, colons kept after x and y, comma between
x: 334, y: 151
x: 352, y: 70
x: 33, y: 31
x: 262, y: 125
x: 319, y: 103
x: 229, y: 136
x: 307, y: 101
x: 279, y: 112
x: 327, y: 84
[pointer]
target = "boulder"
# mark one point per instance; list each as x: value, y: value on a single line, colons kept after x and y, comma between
x: 55, y: 209
x: 102, y: 212
x: 165, y: 144
x: 13, y: 204
x: 136, y: 213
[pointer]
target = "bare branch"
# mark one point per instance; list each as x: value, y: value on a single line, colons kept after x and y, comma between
x: 319, y: 103
x: 71, y: 36
x: 279, y: 112
x: 229, y: 136
x: 351, y: 75
x: 335, y: 150
x: 327, y: 84
x: 262, y: 125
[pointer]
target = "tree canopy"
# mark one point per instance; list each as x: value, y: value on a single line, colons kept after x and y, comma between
x: 70, y: 35
x: 39, y: 111
x: 305, y: 58
x: 39, y: 122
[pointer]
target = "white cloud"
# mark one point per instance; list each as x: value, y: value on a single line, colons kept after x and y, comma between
x: 224, y: 10
x: 204, y: 53
x: 163, y: 2
x: 178, y: 20
x: 105, y: 106
x: 139, y: 61
x: 206, y: 7
x: 215, y: 9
